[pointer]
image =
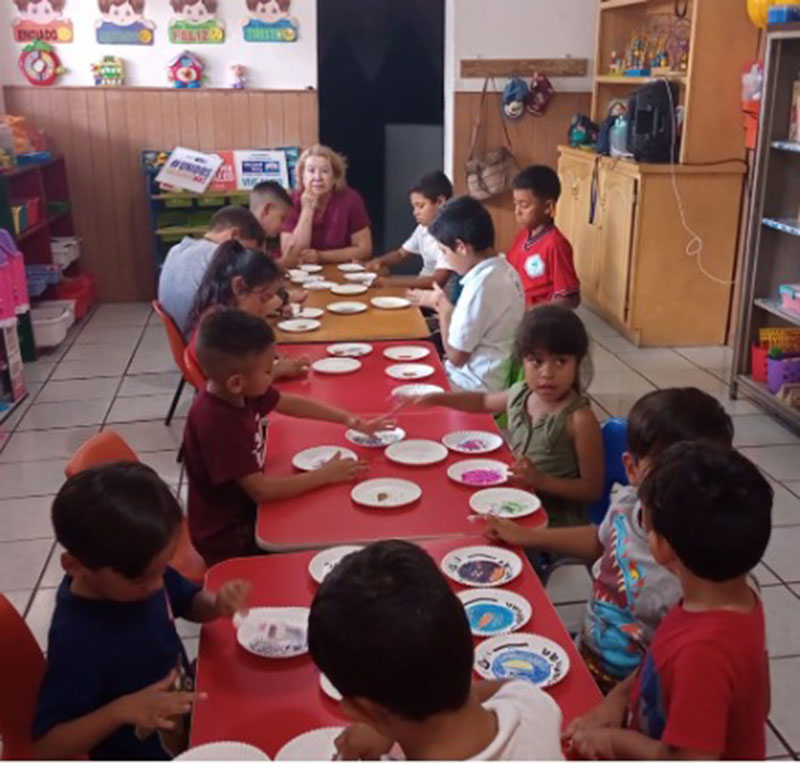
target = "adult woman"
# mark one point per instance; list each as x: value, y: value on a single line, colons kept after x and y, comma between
x: 329, y: 222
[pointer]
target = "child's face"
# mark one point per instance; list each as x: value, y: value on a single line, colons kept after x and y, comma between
x: 550, y: 376
x: 457, y: 258
x: 196, y: 13
x: 530, y: 210
x: 257, y: 378
x: 122, y: 15
x: 269, y: 12
x: 40, y: 12
x: 257, y: 302
x: 424, y: 209
x: 318, y: 175
x: 272, y: 216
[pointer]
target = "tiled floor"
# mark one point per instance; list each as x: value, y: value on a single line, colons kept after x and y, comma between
x: 116, y: 370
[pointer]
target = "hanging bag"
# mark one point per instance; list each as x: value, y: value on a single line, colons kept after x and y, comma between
x: 493, y: 172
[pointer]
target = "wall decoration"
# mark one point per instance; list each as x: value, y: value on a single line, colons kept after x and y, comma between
x: 40, y: 64
x: 109, y: 71
x: 41, y: 20
x: 186, y: 70
x: 238, y: 76
x: 123, y: 23
x: 189, y: 170
x: 254, y: 167
x: 270, y: 21
x: 196, y: 23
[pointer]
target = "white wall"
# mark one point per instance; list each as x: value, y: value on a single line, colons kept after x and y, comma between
x: 278, y: 66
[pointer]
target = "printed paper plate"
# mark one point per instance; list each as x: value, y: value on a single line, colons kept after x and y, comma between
x: 410, y: 371
x: 386, y: 493
x: 273, y: 632
x: 416, y: 390
x: 364, y: 277
x: 347, y: 308
x: 416, y: 452
x: 325, y: 561
x: 336, y: 365
x: 299, y: 325
x: 390, y: 303
x: 378, y: 440
x: 406, y: 353
x: 351, y: 267
x: 328, y: 688
x: 522, y: 655
x: 311, y: 459
x: 223, y: 751
x: 318, y: 285
x: 311, y: 268
x: 482, y: 566
x: 495, y: 612
x: 349, y: 349
x: 504, y: 502
x: 313, y: 745
x: 473, y: 442
x: 479, y: 472
x: 307, y: 312
x: 348, y: 288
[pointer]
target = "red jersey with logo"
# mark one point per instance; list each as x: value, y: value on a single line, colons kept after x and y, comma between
x: 544, y: 262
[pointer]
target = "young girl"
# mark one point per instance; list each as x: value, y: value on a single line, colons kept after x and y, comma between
x: 552, y: 430
x: 249, y: 281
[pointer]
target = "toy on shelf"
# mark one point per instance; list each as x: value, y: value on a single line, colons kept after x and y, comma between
x: 8, y: 154
x: 186, y: 70
x: 617, y: 64
x: 109, y: 71
x: 238, y: 76
x: 40, y: 64
x: 659, y: 49
x: 636, y: 58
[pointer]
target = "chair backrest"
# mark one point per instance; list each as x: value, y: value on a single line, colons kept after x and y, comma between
x: 193, y: 373
x: 105, y: 447
x: 176, y: 341
x: 22, y: 668
x: 615, y: 443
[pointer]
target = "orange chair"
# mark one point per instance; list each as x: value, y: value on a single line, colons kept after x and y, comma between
x: 22, y: 669
x: 107, y: 447
x: 194, y: 373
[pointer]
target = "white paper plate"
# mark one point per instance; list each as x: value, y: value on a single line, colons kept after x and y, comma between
x: 328, y: 688
x: 482, y: 566
x: 307, y: 312
x: 311, y: 459
x: 416, y: 390
x: 223, y: 751
x: 347, y: 308
x: 273, y: 632
x: 349, y: 349
x: 479, y: 472
x: 324, y: 562
x: 416, y: 452
x: 299, y: 325
x: 378, y: 440
x: 390, y: 303
x: 505, y: 502
x: 473, y: 442
x: 336, y: 365
x: 318, y: 285
x: 495, y: 612
x: 364, y: 277
x: 313, y: 745
x: 349, y: 288
x: 524, y: 656
x: 297, y: 274
x: 311, y: 268
x: 351, y: 267
x: 406, y: 352
x: 386, y: 493
x: 410, y: 371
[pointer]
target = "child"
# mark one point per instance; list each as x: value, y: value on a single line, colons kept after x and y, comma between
x: 271, y: 206
x: 392, y: 637
x: 114, y: 658
x: 631, y: 593
x: 552, y: 430
x: 226, y: 435
x: 540, y: 253
x: 478, y: 333
x: 427, y: 197
x: 703, y: 688
x: 186, y: 263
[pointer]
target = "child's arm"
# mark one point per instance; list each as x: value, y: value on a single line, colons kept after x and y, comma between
x: 437, y: 278
x: 445, y: 309
x: 581, y: 542
x: 306, y: 408
x: 388, y: 260
x: 360, y: 249
x: 226, y: 602
x: 469, y: 402
x: 624, y: 744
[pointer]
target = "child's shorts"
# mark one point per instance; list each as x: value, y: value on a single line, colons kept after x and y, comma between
x: 604, y: 680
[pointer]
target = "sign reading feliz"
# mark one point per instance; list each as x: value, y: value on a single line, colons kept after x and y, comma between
x: 270, y: 21
x: 41, y: 20
x: 123, y: 23
x: 196, y: 23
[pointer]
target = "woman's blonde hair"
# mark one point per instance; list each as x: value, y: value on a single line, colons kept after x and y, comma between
x: 338, y: 164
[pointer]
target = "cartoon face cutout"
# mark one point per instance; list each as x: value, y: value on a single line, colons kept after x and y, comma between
x: 123, y: 14
x: 40, y: 11
x: 196, y: 12
x: 270, y: 11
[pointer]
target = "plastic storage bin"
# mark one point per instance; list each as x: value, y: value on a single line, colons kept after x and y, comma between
x: 65, y: 249
x: 80, y: 288
x: 782, y: 371
x: 50, y: 325
x: 40, y: 277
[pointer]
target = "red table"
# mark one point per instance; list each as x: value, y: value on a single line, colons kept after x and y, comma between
x: 328, y: 516
x: 268, y: 702
x: 369, y: 388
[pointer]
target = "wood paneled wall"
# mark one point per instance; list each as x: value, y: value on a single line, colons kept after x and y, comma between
x: 101, y: 133
x: 535, y: 141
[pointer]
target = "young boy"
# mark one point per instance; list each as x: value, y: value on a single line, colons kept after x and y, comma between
x: 392, y: 637
x: 427, y: 197
x: 631, y: 592
x: 271, y: 205
x: 226, y: 435
x: 186, y: 263
x: 478, y: 333
x: 118, y: 683
x: 703, y: 689
x: 540, y: 253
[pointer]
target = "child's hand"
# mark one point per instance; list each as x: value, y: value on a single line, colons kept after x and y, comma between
x: 375, y: 266
x: 309, y: 257
x: 423, y: 298
x: 524, y: 473
x: 371, y: 426
x: 292, y: 368
x: 505, y: 530
x: 340, y: 469
x: 608, y: 714
x: 232, y: 597
x: 297, y: 296
x: 594, y: 744
x: 362, y: 742
x: 156, y: 705
x: 443, y: 304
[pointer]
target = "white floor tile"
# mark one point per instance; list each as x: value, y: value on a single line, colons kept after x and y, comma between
x: 793, y: 486
x: 785, y: 506
x: 620, y: 383
x: 782, y: 613
x: 708, y: 357
x: 757, y: 431
x: 150, y: 384
x: 25, y: 518
x: 690, y: 377
x: 785, y: 679
x: 741, y: 407
x: 778, y: 461
x: 782, y: 556
x: 146, y: 407
x: 149, y: 436
x: 165, y: 464
x: 152, y: 363
x: 765, y: 576
x: 616, y: 344
x: 604, y: 361
x: 39, y: 445
x: 97, y: 333
x: 60, y: 415
x: 19, y: 600
x: 617, y: 405
x: 775, y: 748
x: 122, y: 314
x: 40, y: 615
x: 31, y: 478
x: 90, y: 369
x: 39, y: 370
x: 54, y: 573
x: 10, y: 423
x: 101, y: 351
x: 21, y: 563
x: 78, y: 389
x: 647, y: 361
x: 569, y: 584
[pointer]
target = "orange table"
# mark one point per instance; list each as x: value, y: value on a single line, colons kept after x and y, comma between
x: 268, y: 702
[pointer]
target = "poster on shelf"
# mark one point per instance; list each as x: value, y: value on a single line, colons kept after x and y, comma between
x: 270, y: 21
x: 41, y: 20
x: 196, y: 23
x: 122, y: 22
x: 189, y: 170
x: 225, y: 179
x: 254, y: 167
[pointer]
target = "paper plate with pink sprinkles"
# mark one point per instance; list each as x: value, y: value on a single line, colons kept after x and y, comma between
x: 479, y: 472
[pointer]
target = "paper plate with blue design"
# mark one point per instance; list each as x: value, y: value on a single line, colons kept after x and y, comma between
x: 523, y: 656
x: 495, y: 613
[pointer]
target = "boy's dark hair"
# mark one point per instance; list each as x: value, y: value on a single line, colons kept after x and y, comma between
x: 464, y: 219
x: 243, y: 220
x: 540, y: 180
x: 385, y: 626
x: 269, y: 191
x: 712, y: 505
x: 666, y: 416
x: 433, y: 186
x: 119, y: 516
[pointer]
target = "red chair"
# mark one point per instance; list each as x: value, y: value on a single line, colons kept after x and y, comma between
x: 22, y: 669
x: 194, y: 373
x: 108, y: 447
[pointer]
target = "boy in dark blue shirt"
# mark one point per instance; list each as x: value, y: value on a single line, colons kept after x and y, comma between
x: 118, y: 684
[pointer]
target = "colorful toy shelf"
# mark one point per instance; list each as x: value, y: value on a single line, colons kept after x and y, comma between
x: 774, y: 306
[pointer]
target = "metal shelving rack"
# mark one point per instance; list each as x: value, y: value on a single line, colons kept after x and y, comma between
x: 773, y: 240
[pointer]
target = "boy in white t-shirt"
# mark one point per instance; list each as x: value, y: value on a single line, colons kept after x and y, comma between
x: 392, y: 637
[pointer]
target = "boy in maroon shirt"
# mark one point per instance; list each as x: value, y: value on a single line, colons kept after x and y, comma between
x: 226, y: 435
x: 703, y: 689
x: 540, y: 253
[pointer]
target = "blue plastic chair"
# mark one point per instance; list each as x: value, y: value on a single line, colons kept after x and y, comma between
x: 615, y: 443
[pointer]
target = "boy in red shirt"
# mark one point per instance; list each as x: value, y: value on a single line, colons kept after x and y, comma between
x: 703, y: 689
x: 540, y: 252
